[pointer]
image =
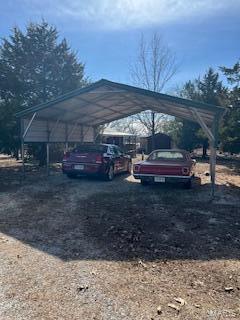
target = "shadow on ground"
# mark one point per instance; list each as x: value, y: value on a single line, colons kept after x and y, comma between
x: 147, y: 223
x: 232, y: 164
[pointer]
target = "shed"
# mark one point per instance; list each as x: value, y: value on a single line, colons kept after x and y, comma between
x: 161, y: 141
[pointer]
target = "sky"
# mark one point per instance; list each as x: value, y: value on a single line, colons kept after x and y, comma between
x: 105, y: 33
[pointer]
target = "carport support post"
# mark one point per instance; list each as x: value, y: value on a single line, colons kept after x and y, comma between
x: 23, y: 135
x: 66, y: 137
x: 47, y: 149
x: 82, y: 134
x: 213, y: 153
x: 212, y: 137
x: 22, y: 156
x: 96, y: 134
x: 22, y: 148
x: 66, y: 146
x: 212, y: 166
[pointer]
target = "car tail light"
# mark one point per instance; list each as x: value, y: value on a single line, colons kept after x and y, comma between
x: 185, y: 170
x: 99, y: 159
x: 66, y: 156
x: 136, y: 168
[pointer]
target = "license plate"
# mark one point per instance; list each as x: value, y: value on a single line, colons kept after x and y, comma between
x: 159, y: 179
x: 79, y: 166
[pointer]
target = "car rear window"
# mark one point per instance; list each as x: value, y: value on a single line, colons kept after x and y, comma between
x: 91, y: 148
x: 166, y: 155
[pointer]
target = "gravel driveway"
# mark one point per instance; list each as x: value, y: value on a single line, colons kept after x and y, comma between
x: 88, y: 249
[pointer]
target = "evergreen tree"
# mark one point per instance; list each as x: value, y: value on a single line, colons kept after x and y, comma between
x: 34, y: 67
x: 210, y: 90
x: 230, y: 132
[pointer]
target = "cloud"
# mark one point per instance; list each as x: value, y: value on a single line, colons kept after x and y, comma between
x: 124, y: 14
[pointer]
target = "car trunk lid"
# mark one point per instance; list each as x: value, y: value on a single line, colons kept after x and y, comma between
x: 85, y: 157
x: 163, y: 168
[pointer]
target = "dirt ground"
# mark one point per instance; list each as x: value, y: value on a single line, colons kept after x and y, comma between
x: 88, y: 249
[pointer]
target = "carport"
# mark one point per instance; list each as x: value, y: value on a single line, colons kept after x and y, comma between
x: 77, y: 115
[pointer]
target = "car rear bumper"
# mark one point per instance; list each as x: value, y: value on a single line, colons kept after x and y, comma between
x: 164, y: 178
x: 87, y: 168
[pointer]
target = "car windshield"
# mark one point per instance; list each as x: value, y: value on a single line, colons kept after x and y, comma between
x: 166, y: 155
x: 91, y: 148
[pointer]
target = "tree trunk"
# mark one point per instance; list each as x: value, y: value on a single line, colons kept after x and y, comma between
x: 42, y: 155
x: 153, y: 131
x: 16, y: 154
x: 204, y: 149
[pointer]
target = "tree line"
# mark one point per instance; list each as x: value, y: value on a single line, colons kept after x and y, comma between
x: 210, y: 89
x: 154, y: 67
x: 36, y: 66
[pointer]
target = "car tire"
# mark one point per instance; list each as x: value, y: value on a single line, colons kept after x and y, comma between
x: 144, y: 182
x: 188, y: 185
x: 110, y: 174
x: 71, y: 175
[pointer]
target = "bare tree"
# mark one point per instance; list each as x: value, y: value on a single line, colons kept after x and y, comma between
x: 154, y: 67
x: 129, y: 125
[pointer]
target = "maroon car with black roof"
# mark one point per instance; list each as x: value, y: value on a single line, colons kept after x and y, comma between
x: 163, y: 166
x: 103, y: 160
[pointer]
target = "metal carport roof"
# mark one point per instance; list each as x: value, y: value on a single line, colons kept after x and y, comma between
x: 105, y: 101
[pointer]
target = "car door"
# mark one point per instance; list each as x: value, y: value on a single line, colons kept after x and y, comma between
x: 123, y: 160
x: 119, y: 159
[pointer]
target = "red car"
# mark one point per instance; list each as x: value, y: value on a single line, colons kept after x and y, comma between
x: 103, y: 160
x: 166, y: 166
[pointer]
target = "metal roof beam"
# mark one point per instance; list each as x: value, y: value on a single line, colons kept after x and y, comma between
x: 51, y: 132
x: 165, y: 109
x: 104, y: 107
x: 203, y: 124
x: 73, y: 129
x: 154, y: 106
x: 116, y: 118
x: 29, y: 125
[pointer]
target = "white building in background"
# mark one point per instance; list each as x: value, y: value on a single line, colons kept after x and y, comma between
x: 127, y: 141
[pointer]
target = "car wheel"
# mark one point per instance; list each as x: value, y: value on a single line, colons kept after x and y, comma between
x: 188, y: 185
x: 110, y: 174
x: 71, y: 175
x: 144, y: 182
